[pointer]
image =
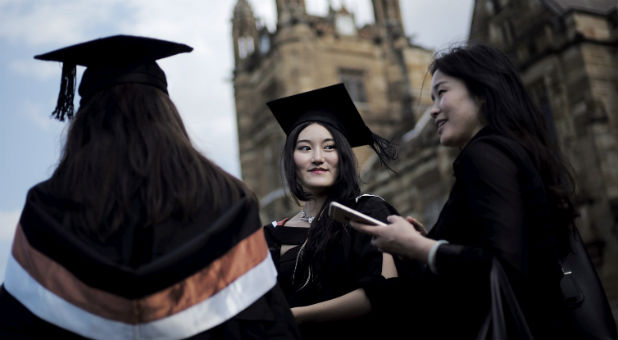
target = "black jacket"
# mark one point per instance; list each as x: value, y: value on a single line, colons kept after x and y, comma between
x: 495, y: 209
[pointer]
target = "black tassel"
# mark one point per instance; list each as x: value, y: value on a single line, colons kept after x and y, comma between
x: 64, y: 107
x: 385, y: 149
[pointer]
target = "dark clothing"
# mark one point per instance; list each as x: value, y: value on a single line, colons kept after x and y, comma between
x: 496, y: 208
x: 351, y: 263
x: 209, y: 278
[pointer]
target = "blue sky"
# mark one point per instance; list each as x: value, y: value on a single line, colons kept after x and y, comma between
x: 199, y: 82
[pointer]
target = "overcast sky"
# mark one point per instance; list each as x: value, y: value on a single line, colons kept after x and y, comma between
x: 199, y: 83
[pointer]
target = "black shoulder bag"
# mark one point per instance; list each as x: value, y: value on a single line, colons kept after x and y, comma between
x: 587, y: 308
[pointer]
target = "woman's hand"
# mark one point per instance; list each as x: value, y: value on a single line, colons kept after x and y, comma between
x: 401, y: 236
x: 348, y: 306
x: 417, y: 225
x: 300, y: 314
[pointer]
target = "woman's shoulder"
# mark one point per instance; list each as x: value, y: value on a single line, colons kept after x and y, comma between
x: 374, y: 205
x: 491, y: 151
x: 366, y: 201
x: 494, y: 158
x: 487, y: 141
x: 363, y: 198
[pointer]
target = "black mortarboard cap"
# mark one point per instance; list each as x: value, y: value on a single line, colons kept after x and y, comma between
x: 110, y: 61
x: 331, y: 105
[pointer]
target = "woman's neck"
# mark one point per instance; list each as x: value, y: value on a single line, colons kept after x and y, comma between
x: 312, y: 207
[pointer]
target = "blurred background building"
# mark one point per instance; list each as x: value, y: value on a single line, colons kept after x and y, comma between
x: 566, y: 51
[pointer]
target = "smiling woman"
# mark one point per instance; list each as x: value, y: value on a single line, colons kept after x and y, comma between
x: 511, y: 206
x: 323, y: 264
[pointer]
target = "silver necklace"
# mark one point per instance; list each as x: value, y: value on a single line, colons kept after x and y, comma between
x: 305, y: 217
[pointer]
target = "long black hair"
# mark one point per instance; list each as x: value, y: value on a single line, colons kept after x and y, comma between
x: 323, y: 231
x: 128, y: 161
x: 507, y: 108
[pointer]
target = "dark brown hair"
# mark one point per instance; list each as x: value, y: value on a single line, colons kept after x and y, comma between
x: 128, y: 161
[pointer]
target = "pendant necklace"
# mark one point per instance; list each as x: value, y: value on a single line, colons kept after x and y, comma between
x: 305, y: 217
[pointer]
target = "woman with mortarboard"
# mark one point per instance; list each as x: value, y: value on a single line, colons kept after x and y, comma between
x: 323, y: 264
x: 136, y: 235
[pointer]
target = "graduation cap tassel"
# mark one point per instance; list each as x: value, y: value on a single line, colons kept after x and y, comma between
x: 64, y: 107
x: 385, y: 150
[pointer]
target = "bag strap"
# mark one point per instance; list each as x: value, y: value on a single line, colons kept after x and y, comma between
x: 501, y: 294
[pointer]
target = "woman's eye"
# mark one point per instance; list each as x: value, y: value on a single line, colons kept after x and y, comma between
x: 330, y: 147
x: 303, y: 148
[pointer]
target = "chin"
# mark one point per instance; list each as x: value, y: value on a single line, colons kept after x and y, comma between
x: 449, y: 141
x: 445, y: 141
x: 318, y: 188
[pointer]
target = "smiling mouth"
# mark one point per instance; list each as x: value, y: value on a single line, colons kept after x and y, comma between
x: 318, y: 170
x: 440, y: 123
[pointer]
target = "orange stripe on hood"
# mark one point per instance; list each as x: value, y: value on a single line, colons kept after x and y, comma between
x: 194, y: 289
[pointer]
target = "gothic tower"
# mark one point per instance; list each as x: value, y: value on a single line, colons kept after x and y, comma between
x: 290, y: 12
x: 244, y: 32
x: 388, y: 18
x: 389, y: 26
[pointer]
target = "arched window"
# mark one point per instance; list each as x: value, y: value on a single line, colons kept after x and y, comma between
x: 245, y: 47
x: 353, y: 80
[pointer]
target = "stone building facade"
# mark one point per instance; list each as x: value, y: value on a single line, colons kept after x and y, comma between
x: 383, y: 71
x: 566, y: 51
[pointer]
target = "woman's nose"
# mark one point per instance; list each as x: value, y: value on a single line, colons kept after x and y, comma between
x: 434, y: 111
x: 317, y: 156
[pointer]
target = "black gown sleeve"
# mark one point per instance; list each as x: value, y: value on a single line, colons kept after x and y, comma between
x: 370, y: 256
x: 377, y: 289
x: 370, y: 270
x: 375, y: 207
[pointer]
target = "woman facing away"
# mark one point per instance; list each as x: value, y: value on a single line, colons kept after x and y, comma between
x: 511, y: 200
x: 323, y: 264
x: 136, y: 235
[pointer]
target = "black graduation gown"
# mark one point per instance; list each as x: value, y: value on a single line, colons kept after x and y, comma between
x: 211, y: 278
x: 493, y: 210
x: 352, y: 263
